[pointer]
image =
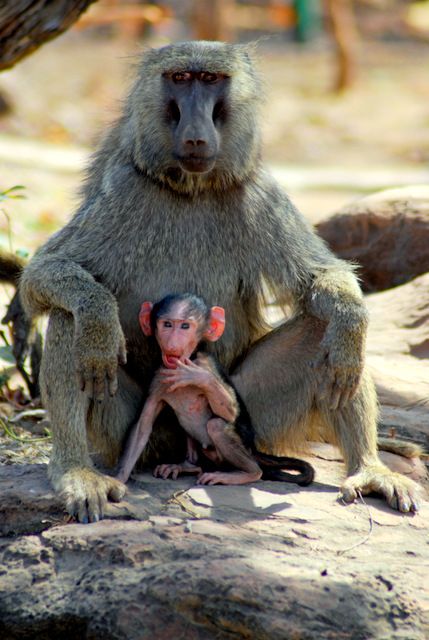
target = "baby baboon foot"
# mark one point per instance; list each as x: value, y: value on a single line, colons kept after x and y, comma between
x: 86, y: 492
x: 167, y: 471
x: 231, y: 477
x: 400, y: 492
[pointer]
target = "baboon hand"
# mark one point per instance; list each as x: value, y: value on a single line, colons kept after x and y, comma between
x: 85, y: 493
x: 99, y: 347
x: 338, y: 370
x: 400, y: 492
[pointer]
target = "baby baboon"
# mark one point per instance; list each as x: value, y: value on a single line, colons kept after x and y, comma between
x: 215, y: 419
x: 176, y: 199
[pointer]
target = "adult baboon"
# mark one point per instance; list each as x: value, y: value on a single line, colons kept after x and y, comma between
x: 177, y: 200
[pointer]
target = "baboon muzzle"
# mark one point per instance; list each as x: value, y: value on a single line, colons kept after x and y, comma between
x: 196, y: 140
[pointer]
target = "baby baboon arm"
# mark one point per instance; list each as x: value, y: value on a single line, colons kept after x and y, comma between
x: 52, y: 282
x: 138, y: 437
x: 222, y: 400
x: 203, y: 375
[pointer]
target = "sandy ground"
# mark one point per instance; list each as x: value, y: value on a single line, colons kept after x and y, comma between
x: 326, y: 148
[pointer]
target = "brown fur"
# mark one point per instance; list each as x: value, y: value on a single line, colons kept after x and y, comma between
x: 146, y: 228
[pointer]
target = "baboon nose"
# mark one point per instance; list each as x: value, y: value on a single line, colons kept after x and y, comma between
x: 195, y: 142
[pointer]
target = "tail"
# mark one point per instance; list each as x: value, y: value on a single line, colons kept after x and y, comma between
x: 273, y: 468
x: 400, y: 447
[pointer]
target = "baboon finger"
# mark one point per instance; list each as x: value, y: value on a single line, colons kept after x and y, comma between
x: 335, y: 398
x: 324, y: 390
x: 80, y: 379
x: 89, y: 385
x: 117, y: 491
x: 99, y: 386
x: 392, y: 498
x: 112, y: 381
x: 95, y: 506
x: 82, y: 512
x: 122, y: 353
x: 415, y: 505
x: 346, y: 396
x: 347, y: 493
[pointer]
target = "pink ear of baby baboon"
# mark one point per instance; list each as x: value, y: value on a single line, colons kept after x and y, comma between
x: 144, y: 318
x: 216, y: 324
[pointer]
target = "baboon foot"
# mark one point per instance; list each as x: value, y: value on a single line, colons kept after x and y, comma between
x: 400, y: 492
x: 85, y: 493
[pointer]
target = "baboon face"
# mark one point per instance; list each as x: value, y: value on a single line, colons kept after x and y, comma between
x: 196, y: 109
x: 191, y: 119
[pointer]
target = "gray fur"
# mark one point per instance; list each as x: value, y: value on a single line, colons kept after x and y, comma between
x: 146, y: 228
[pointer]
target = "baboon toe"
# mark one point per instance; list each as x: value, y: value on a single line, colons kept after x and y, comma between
x: 401, y: 493
x: 117, y: 491
x: 86, y: 492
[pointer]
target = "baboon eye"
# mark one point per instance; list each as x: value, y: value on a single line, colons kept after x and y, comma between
x: 181, y: 76
x: 167, y: 324
x: 185, y: 325
x: 208, y: 77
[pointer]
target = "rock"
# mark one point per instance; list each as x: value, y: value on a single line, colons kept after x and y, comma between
x: 267, y: 561
x: 387, y: 234
x: 398, y: 357
x: 258, y: 562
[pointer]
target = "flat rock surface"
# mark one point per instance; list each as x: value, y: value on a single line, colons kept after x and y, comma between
x: 175, y: 560
x: 398, y: 357
x: 267, y: 561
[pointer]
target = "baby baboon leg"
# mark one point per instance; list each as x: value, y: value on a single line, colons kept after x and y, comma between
x: 278, y: 385
x: 355, y: 429
x: 231, y: 449
x: 85, y: 491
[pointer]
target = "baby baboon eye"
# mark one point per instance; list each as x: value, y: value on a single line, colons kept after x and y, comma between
x: 185, y: 325
x: 181, y: 76
x: 210, y: 78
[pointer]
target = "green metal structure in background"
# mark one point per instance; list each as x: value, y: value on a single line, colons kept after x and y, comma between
x: 309, y: 19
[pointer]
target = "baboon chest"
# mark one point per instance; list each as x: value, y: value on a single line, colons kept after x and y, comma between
x: 192, y: 411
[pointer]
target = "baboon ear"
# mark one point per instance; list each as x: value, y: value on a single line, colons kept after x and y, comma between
x: 216, y: 324
x: 144, y: 318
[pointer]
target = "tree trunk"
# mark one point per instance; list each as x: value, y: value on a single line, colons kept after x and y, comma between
x: 343, y: 26
x: 212, y: 19
x: 27, y: 24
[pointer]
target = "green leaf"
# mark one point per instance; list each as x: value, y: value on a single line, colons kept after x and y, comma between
x: 10, y: 194
x: 6, y: 354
